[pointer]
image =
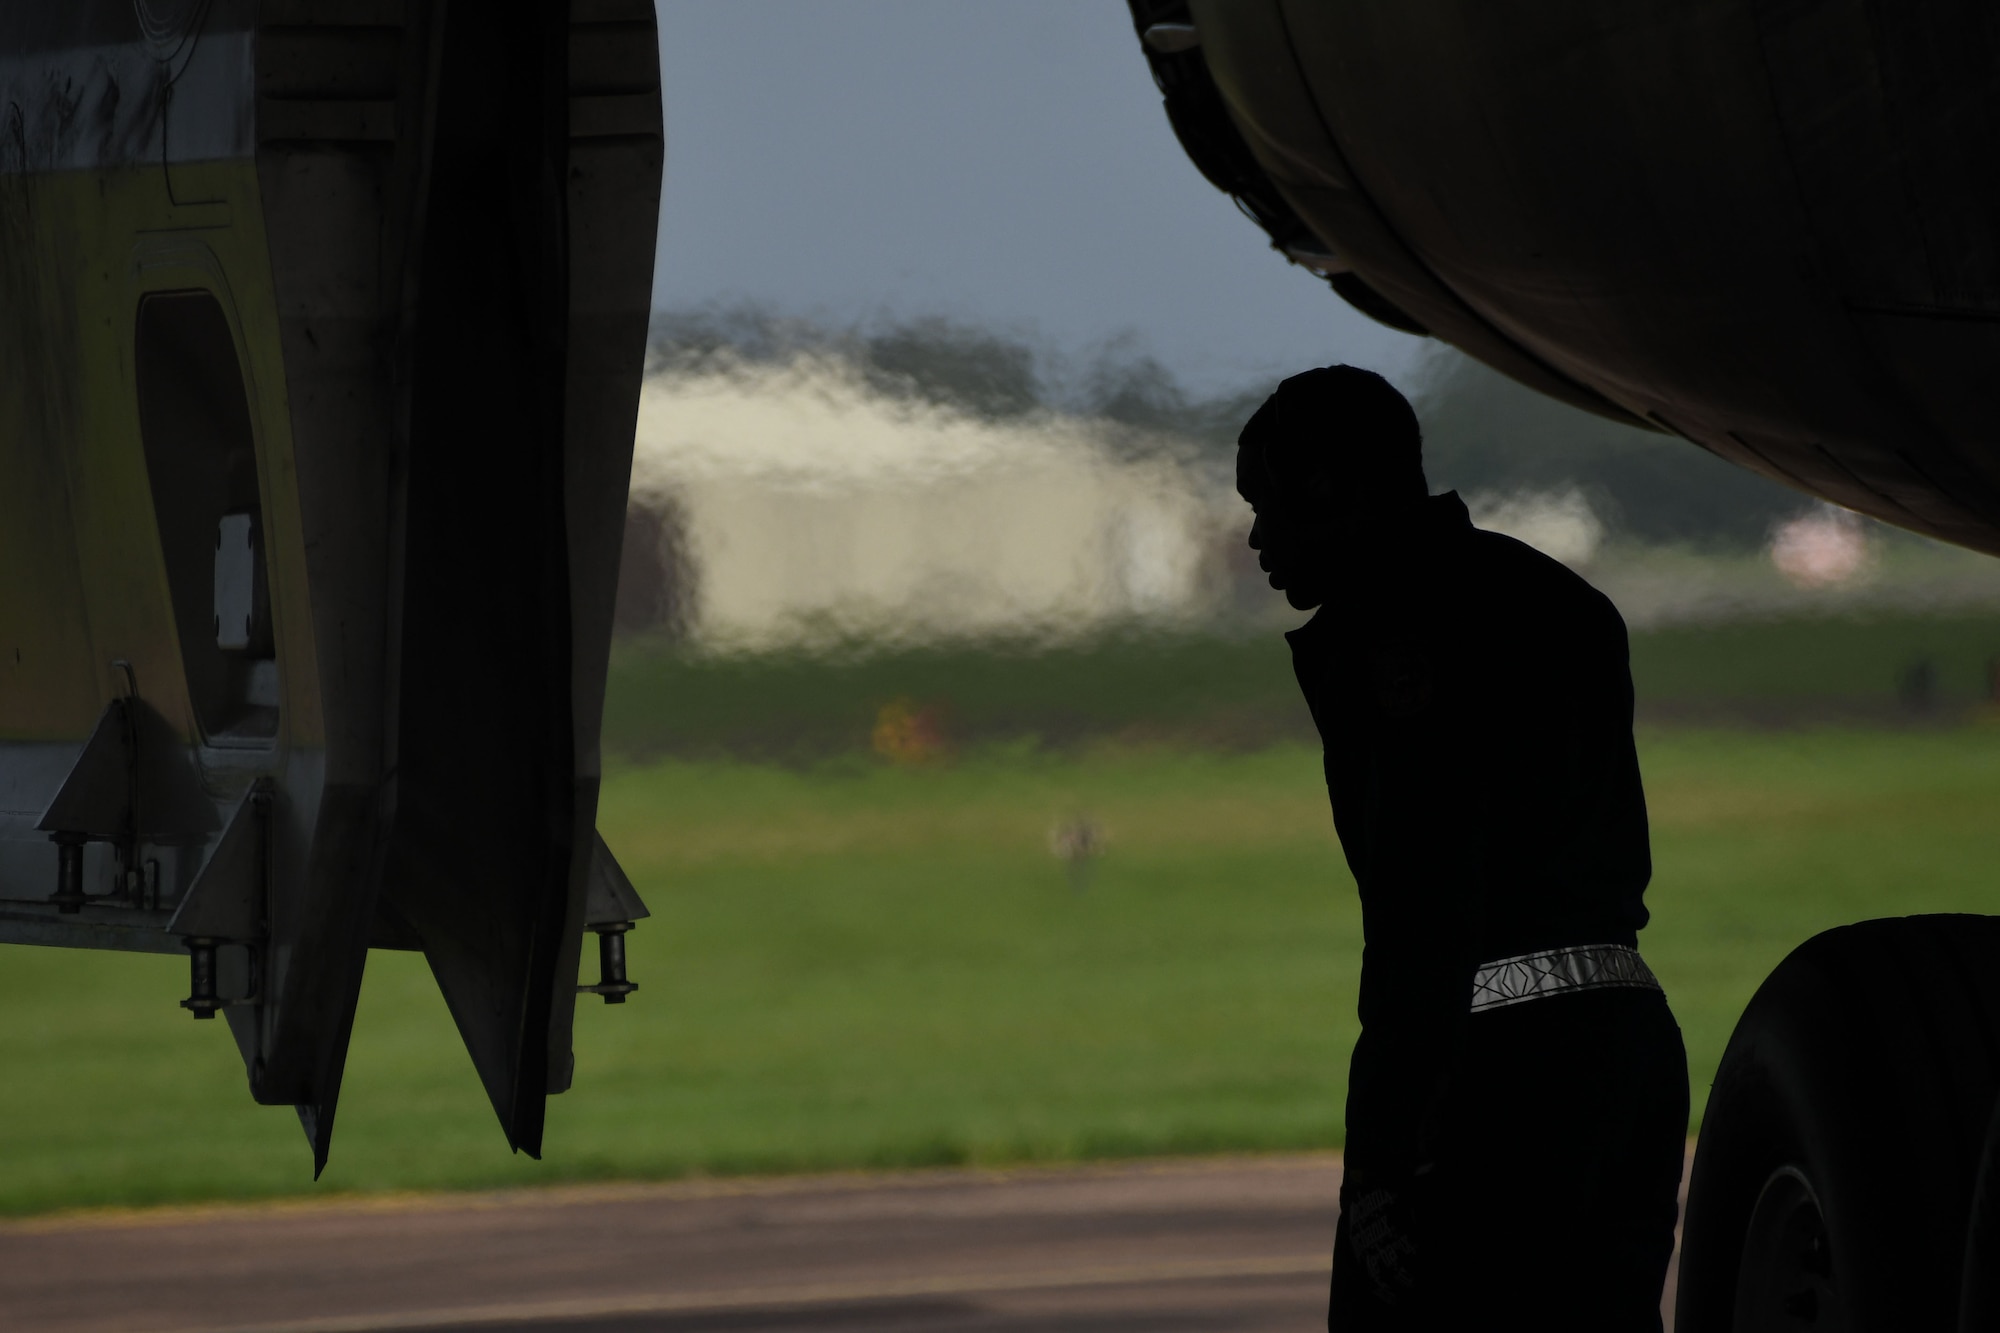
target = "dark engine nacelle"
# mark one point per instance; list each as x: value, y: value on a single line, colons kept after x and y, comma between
x: 1771, y: 229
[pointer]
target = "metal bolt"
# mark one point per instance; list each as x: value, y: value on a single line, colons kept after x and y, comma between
x: 611, y: 983
x: 202, y: 1001
x: 68, y: 896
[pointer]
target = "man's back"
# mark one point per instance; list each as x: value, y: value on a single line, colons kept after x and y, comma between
x: 1490, y: 689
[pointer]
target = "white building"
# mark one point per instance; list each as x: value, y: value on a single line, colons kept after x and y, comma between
x: 796, y: 501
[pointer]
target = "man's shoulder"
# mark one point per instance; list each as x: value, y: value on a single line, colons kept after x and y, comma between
x: 1509, y: 577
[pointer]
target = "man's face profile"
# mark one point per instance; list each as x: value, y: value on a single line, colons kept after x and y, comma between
x: 1290, y: 531
x: 1331, y: 465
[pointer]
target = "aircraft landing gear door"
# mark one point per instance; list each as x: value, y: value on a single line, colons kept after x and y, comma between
x: 201, y: 459
x: 201, y: 465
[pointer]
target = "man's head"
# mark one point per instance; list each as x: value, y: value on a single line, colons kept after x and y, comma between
x: 1331, y: 463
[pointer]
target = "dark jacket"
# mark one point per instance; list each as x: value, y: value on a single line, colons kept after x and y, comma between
x: 1476, y: 709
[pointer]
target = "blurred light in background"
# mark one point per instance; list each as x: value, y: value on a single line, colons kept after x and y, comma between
x: 1822, y: 549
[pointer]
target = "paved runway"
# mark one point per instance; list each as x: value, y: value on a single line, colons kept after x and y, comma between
x: 1177, y: 1247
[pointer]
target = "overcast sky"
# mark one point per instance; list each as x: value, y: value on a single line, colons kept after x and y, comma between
x: 1003, y: 164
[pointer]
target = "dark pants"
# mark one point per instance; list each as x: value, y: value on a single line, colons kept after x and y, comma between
x: 1552, y: 1198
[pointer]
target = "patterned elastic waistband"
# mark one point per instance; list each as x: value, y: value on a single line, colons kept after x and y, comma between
x: 1533, y: 976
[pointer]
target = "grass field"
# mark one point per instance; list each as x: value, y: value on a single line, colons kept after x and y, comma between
x: 853, y: 964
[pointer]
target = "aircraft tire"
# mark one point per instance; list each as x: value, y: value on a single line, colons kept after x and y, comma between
x: 1979, y: 1290
x: 1833, y: 1178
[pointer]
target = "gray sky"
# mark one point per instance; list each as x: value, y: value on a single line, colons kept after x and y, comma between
x: 1008, y: 165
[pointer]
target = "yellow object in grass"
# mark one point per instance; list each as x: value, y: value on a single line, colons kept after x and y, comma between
x: 907, y: 733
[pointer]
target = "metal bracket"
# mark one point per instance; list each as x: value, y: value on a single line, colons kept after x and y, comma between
x: 226, y: 902
x: 132, y: 784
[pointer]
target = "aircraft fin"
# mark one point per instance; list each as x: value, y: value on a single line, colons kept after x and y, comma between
x: 493, y: 922
x: 317, y: 1121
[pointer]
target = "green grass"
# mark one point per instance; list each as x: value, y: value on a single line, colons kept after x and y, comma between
x: 854, y: 965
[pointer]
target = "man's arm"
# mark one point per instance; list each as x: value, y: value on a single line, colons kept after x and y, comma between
x: 1426, y: 905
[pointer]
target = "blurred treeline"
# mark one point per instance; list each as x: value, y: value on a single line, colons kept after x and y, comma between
x: 1484, y: 434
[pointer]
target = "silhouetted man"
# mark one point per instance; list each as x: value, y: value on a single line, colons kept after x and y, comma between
x: 1518, y: 1099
